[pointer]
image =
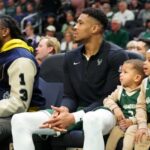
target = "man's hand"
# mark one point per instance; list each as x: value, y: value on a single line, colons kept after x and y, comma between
x: 140, y: 133
x: 63, y: 120
x: 60, y: 120
x: 46, y: 124
x: 118, y: 113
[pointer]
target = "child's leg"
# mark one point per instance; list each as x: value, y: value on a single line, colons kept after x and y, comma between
x: 128, y: 142
x: 96, y: 124
x: 113, y: 138
x: 24, y: 125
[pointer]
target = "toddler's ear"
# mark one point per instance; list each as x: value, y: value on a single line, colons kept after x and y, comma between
x: 138, y: 78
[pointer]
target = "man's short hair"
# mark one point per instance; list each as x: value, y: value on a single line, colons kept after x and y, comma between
x: 98, y: 15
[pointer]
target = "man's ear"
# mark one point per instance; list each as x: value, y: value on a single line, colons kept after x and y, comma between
x: 51, y: 50
x: 97, y: 28
x: 5, y: 32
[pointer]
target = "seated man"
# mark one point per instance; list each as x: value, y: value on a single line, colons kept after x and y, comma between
x: 117, y: 34
x: 18, y: 75
x: 90, y: 74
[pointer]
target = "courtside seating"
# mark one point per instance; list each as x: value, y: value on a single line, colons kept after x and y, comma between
x: 52, y: 87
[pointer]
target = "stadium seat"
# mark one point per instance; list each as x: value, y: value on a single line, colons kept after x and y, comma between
x: 51, y: 69
x: 51, y: 79
x: 51, y: 84
x: 52, y: 92
x: 135, y: 55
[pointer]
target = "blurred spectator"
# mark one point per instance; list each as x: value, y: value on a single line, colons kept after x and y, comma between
x: 30, y: 11
x: 2, y: 8
x: 67, y: 43
x: 145, y: 13
x: 142, y: 47
x: 30, y: 8
x: 37, y: 4
x: 50, y: 6
x: 132, y: 45
x: 50, y: 31
x: 31, y: 37
x: 97, y: 4
x: 117, y: 35
x: 146, y: 34
x: 46, y: 47
x: 70, y: 21
x: 107, y: 10
x: 19, y: 14
x: 123, y: 14
x: 23, y: 4
x: 51, y: 20
x: 11, y: 8
x: 135, y: 6
x: 78, y: 5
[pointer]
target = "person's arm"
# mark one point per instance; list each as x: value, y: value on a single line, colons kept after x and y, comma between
x: 115, y: 59
x: 141, y: 113
x: 21, y: 74
x: 110, y: 101
x: 69, y: 99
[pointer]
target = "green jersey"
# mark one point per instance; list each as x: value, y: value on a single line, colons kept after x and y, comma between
x: 127, y: 103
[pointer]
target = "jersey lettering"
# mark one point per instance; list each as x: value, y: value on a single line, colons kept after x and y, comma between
x: 22, y: 81
x: 24, y: 94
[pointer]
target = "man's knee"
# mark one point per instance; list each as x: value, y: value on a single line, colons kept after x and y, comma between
x: 89, y: 118
x: 92, y: 120
x: 17, y: 121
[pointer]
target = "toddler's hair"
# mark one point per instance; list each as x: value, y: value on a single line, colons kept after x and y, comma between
x: 137, y: 65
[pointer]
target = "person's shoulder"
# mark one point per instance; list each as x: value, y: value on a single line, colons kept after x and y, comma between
x: 113, y: 48
x: 116, y: 53
x: 20, y: 50
x: 145, y: 83
x: 145, y: 80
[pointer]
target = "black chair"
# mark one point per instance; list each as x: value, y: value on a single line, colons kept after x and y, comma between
x: 135, y: 55
x: 51, y: 69
x: 52, y: 72
x: 134, y: 27
x: 51, y: 79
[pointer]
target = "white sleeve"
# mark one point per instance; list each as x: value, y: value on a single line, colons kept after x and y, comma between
x: 21, y: 74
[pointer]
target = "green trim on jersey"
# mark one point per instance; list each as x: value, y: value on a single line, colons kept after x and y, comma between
x: 148, y: 96
x: 128, y: 103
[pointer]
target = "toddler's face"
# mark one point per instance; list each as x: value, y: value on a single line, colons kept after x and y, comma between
x: 146, y: 66
x: 127, y: 75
